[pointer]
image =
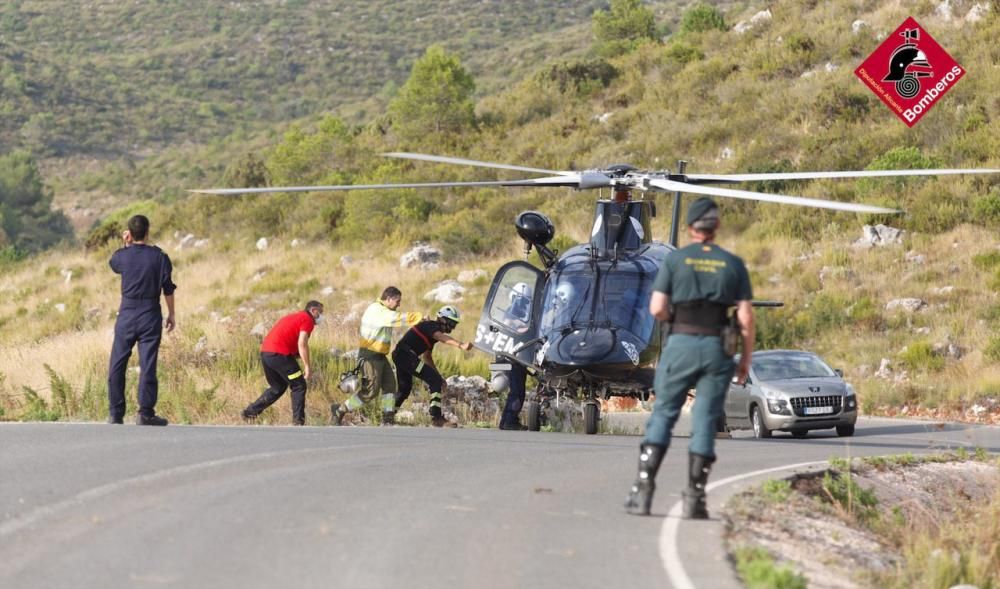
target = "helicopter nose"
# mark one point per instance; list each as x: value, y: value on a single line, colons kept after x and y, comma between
x: 580, y: 346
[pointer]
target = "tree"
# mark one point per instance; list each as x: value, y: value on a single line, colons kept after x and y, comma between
x: 310, y: 157
x: 702, y: 17
x: 27, y: 221
x: 249, y: 171
x: 621, y: 29
x: 435, y: 103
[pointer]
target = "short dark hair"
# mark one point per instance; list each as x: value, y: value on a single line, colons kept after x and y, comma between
x: 314, y: 305
x: 138, y: 226
x: 391, y: 292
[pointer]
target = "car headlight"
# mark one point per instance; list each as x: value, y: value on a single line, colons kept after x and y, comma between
x: 777, y: 402
x: 778, y: 407
x: 851, y: 400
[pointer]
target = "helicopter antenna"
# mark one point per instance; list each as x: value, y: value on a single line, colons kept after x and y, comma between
x: 675, y: 217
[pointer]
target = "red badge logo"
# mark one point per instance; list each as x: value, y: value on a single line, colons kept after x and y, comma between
x: 909, y: 72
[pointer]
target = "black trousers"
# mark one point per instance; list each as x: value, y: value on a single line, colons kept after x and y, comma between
x: 409, y: 365
x: 281, y: 372
x: 515, y: 396
x: 145, y: 327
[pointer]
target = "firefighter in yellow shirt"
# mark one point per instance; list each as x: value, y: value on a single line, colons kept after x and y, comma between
x: 377, y: 376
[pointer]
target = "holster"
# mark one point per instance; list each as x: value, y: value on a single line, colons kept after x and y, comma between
x: 732, y: 337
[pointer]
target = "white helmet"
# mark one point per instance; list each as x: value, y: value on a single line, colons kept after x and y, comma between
x: 449, y: 312
x: 564, y: 292
x: 499, y: 382
x: 349, y: 382
x: 521, y: 289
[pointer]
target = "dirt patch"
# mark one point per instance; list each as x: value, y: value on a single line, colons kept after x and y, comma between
x: 805, y: 526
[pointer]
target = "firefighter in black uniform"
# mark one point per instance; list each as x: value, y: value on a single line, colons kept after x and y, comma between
x: 693, y: 291
x: 413, y: 357
x: 146, y: 272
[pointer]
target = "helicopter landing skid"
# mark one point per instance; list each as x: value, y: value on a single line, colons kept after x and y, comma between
x: 546, y: 404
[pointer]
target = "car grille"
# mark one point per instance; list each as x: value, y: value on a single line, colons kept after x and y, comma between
x: 799, y: 404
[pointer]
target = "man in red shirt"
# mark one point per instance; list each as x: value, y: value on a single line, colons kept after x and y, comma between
x: 288, y: 339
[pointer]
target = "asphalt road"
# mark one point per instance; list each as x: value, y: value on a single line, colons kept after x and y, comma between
x: 93, y: 505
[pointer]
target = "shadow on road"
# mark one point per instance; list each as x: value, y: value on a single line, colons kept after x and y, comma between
x: 913, y: 428
x: 821, y: 440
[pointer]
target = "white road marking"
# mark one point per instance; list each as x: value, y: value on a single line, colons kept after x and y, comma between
x: 669, y: 556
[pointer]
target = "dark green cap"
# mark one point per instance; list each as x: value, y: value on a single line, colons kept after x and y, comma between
x: 703, y: 214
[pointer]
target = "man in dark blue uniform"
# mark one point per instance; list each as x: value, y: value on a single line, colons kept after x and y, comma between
x: 145, y: 272
x: 693, y: 291
x: 518, y: 317
x: 510, y: 418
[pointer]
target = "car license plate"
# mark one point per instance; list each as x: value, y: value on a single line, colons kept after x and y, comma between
x: 818, y: 410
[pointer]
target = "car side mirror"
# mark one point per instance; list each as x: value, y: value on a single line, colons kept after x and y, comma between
x: 839, y: 372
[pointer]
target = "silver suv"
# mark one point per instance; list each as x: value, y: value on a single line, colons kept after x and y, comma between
x: 791, y: 391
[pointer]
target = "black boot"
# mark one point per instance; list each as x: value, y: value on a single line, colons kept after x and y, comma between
x: 640, y: 496
x: 694, y: 496
x: 388, y: 418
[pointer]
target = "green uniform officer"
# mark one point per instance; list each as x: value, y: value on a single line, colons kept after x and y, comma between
x: 693, y: 291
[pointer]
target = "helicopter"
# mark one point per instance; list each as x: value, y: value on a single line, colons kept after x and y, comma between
x: 580, y: 324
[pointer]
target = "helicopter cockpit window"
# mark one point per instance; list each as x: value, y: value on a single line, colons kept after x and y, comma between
x: 625, y: 303
x: 512, y: 302
x: 565, y: 296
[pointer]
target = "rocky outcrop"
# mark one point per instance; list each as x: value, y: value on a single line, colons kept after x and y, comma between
x: 421, y: 256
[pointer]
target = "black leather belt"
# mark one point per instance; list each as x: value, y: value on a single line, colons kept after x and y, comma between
x: 689, y: 329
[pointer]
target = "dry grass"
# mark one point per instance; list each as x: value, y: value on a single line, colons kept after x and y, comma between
x: 208, y: 367
x: 835, y: 299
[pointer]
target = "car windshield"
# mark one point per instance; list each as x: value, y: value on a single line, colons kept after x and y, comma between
x: 790, y: 366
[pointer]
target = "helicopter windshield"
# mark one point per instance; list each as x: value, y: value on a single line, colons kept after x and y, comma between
x: 565, y: 297
x: 623, y: 302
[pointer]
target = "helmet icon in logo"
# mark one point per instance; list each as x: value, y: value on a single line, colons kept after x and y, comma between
x: 905, y: 63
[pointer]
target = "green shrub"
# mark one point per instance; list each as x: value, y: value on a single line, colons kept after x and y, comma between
x: 841, y: 490
x: 110, y: 228
x: 777, y: 490
x: 921, y: 356
x: 683, y: 53
x: 866, y: 313
x: 702, y: 17
x: 622, y: 27
x: 63, y: 396
x: 759, y: 571
x: 35, y: 408
x: 898, y: 158
x: 988, y: 261
x: 582, y: 77
x: 992, y: 350
x: 987, y: 209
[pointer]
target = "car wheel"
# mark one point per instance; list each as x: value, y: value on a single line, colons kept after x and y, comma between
x: 800, y: 433
x: 845, y: 431
x: 759, y: 428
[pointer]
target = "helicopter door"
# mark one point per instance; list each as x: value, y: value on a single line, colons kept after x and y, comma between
x: 508, y: 324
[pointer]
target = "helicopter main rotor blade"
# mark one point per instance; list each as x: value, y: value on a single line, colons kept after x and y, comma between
x: 671, y: 186
x: 821, y: 175
x: 466, y: 162
x: 267, y: 190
